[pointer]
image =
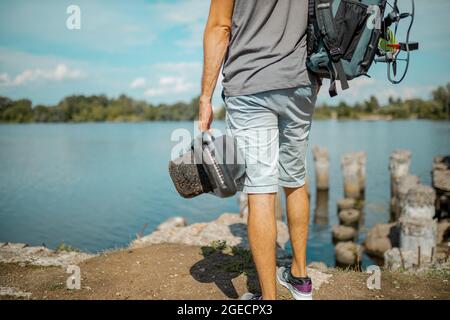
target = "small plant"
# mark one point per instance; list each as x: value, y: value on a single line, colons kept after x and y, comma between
x: 217, y: 246
x: 436, y: 272
x: 66, y: 248
x: 244, y: 262
x: 56, y: 286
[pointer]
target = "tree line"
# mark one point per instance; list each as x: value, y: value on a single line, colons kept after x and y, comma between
x: 99, y: 108
x: 435, y: 108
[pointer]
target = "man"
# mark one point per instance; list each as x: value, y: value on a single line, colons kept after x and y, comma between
x: 269, y: 97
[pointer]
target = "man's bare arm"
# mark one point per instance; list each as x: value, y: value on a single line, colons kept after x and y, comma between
x: 215, y: 43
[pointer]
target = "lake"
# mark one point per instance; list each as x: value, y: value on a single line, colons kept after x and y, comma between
x: 95, y: 186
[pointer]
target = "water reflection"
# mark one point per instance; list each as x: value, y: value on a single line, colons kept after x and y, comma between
x: 321, y: 209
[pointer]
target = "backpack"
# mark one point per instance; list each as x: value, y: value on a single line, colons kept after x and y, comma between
x: 342, y: 38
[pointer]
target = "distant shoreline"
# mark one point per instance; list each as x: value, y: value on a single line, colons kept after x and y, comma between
x: 374, y: 118
x: 100, y: 108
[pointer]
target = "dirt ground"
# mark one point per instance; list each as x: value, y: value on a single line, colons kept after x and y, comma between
x: 169, y: 271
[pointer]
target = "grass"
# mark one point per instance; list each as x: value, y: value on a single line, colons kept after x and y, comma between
x: 440, y: 273
x: 66, y: 248
x: 56, y: 286
x: 218, y: 246
x: 243, y: 262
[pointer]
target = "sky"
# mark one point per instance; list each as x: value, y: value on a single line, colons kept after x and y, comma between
x: 152, y: 51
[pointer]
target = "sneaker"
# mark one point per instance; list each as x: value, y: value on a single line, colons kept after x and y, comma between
x: 300, y: 288
x: 251, y: 296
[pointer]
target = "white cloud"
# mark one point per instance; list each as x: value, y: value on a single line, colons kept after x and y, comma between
x: 170, y: 85
x: 172, y: 78
x: 138, y: 83
x: 60, y: 73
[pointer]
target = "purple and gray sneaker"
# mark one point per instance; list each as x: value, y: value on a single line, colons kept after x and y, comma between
x: 251, y: 296
x: 300, y: 288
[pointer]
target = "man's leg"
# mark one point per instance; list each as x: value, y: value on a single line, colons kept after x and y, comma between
x: 297, y: 205
x: 255, y: 128
x: 295, y: 123
x: 262, y: 234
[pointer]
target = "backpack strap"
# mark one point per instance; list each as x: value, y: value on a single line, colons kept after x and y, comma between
x: 325, y: 22
x: 311, y: 26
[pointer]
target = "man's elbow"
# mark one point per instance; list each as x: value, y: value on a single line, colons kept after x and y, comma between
x: 219, y: 28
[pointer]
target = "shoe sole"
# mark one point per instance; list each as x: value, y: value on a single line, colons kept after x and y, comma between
x: 297, y: 295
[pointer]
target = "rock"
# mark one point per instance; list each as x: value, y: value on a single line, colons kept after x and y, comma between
x: 346, y: 203
x: 321, y: 161
x: 228, y: 227
x: 318, y: 277
x: 351, y: 172
x: 343, y: 233
x: 39, y: 256
x: 349, y: 217
x: 418, y: 228
x: 321, y: 208
x: 318, y: 265
x: 173, y: 222
x: 440, y: 180
x: 399, y: 163
x: 407, y: 182
x: 443, y: 231
x: 362, y: 159
x: 348, y: 253
x: 417, y: 233
x: 441, y: 177
x: 185, y: 235
x: 419, y: 202
x: 408, y: 260
x: 381, y: 238
x: 404, y: 184
x: 13, y: 246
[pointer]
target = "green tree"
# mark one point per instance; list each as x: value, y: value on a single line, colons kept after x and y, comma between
x: 372, y: 105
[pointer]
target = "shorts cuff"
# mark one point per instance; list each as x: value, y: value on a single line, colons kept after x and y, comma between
x: 292, y: 184
x: 262, y: 189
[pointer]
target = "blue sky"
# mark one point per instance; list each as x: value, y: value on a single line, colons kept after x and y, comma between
x: 152, y: 50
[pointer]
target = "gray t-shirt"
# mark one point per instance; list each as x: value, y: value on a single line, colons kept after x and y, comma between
x: 267, y: 49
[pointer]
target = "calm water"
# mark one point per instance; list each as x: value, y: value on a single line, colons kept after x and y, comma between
x: 94, y: 186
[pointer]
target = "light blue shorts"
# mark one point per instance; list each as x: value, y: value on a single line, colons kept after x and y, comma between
x: 272, y: 130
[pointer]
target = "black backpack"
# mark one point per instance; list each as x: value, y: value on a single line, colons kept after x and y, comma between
x: 343, y: 38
